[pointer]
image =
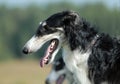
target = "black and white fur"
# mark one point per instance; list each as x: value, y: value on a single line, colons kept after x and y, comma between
x: 59, y: 69
x: 92, y: 57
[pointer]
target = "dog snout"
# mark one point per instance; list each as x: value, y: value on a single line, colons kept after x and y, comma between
x: 47, y: 81
x: 25, y: 50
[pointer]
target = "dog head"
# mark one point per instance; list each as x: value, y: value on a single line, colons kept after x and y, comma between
x: 57, y: 74
x: 54, y: 29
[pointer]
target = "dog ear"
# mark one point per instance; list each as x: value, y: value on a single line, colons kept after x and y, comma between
x: 71, y: 25
x: 71, y: 17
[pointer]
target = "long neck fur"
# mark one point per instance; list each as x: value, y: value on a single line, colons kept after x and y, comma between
x: 80, y: 35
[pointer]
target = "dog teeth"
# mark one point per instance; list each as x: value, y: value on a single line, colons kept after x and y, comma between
x: 53, y: 43
x: 45, y: 59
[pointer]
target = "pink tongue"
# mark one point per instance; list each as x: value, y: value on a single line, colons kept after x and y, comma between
x: 60, y: 79
x: 47, y: 54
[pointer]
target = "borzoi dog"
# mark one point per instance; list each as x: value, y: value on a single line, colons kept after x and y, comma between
x: 92, y: 57
x: 59, y: 73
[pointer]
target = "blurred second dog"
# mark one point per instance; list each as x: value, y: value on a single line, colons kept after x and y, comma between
x: 59, y: 73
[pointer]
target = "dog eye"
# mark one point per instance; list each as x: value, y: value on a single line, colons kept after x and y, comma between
x: 46, y: 27
x: 57, y: 63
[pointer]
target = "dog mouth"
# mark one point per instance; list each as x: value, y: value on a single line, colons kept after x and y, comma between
x: 60, y: 79
x: 49, y: 51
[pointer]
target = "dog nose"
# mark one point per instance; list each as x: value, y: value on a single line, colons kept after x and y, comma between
x: 25, y: 50
x: 47, y: 82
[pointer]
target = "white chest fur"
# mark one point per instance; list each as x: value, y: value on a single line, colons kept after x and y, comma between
x: 76, y: 62
x: 75, y: 58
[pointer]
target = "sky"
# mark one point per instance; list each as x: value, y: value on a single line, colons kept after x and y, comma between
x: 21, y: 3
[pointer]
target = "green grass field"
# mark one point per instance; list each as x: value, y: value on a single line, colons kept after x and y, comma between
x: 22, y: 72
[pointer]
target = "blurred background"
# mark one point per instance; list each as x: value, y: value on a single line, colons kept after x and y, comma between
x: 19, y: 20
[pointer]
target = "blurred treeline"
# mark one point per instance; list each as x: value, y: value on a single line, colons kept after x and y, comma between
x: 18, y: 24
